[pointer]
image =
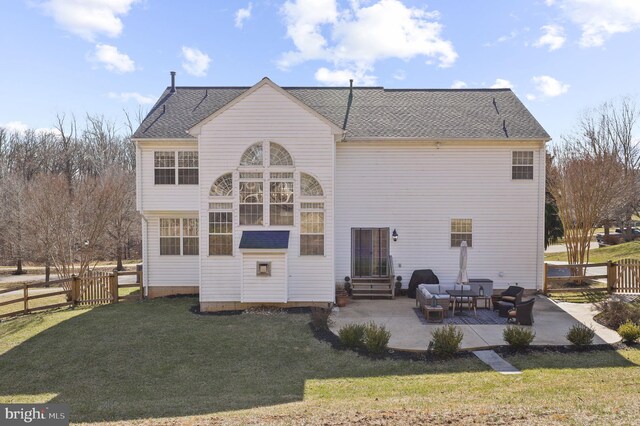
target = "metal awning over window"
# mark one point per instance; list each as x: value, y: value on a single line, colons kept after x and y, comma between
x: 264, y: 240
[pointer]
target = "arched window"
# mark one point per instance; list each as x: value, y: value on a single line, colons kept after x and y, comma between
x: 309, y: 186
x: 253, y: 155
x: 279, y: 156
x: 223, y: 186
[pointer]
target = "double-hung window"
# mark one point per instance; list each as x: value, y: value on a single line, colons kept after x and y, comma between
x: 281, y: 199
x: 251, y: 199
x: 168, y: 171
x: 311, y: 229
x: 178, y: 236
x: 461, y: 230
x: 221, y: 231
x: 522, y: 165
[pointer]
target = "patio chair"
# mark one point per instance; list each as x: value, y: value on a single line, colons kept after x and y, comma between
x: 512, y: 295
x: 523, y: 313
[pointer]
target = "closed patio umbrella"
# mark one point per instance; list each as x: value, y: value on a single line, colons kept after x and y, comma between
x: 463, y: 278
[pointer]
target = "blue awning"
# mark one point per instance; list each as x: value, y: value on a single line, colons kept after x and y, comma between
x: 264, y: 240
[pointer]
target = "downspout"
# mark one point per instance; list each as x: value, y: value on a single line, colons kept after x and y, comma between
x: 541, y: 200
x: 145, y: 256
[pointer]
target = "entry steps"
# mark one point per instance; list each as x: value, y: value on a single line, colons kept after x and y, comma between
x: 371, y: 288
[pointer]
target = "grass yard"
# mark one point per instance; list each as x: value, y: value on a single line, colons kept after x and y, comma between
x: 157, y: 363
x: 629, y: 250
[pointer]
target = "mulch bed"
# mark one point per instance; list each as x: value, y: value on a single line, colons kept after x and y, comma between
x: 327, y: 336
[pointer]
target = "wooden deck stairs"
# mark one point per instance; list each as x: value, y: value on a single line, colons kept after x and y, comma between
x: 372, y: 288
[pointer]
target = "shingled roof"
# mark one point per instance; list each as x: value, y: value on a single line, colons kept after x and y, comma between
x: 371, y: 112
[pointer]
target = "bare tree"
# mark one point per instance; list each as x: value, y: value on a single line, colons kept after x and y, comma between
x: 125, y: 220
x: 12, y: 210
x: 587, y: 181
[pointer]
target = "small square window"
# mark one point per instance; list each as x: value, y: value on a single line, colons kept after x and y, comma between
x: 522, y: 165
x: 263, y: 269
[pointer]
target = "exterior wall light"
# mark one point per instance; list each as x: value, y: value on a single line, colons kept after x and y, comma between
x: 394, y: 235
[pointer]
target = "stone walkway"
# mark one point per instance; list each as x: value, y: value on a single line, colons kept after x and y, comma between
x: 551, y: 325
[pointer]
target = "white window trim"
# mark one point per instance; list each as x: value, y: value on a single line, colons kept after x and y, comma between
x: 175, y: 167
x: 233, y: 215
x: 181, y: 219
x: 532, y: 165
x: 451, y: 219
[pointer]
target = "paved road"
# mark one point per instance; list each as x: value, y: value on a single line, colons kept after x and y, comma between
x: 559, y: 248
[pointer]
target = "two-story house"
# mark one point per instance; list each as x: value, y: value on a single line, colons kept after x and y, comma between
x: 271, y: 195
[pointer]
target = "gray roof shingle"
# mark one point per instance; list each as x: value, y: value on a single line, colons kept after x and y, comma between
x: 374, y: 112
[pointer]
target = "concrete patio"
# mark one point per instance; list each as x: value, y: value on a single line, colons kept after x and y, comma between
x: 408, y: 333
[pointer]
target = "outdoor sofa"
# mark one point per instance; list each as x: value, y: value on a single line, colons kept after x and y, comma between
x: 426, y: 292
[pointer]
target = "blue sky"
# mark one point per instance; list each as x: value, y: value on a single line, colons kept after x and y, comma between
x: 103, y: 56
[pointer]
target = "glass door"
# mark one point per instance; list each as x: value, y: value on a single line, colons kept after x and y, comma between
x: 369, y: 252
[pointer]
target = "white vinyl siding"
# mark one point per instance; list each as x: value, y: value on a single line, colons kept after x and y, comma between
x: 265, y: 116
x: 153, y: 198
x: 417, y: 188
x: 167, y: 270
x: 264, y: 288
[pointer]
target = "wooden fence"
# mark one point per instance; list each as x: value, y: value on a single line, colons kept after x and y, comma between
x: 622, y: 276
x: 95, y: 288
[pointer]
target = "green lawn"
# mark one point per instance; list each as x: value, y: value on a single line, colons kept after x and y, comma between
x: 629, y: 250
x: 156, y: 363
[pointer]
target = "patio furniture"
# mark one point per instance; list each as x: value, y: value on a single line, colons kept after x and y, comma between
x: 513, y: 294
x: 426, y: 292
x: 487, y: 289
x: 503, y: 308
x: 421, y: 276
x: 523, y: 313
x: 459, y: 296
x: 433, y: 313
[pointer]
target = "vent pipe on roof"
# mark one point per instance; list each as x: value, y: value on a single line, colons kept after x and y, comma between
x: 173, y: 82
x: 350, y: 85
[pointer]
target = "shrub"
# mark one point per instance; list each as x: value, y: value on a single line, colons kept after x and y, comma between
x: 376, y: 338
x: 581, y: 335
x: 446, y: 340
x: 518, y: 337
x: 629, y: 332
x: 352, y: 335
x: 321, y: 318
x: 614, y: 313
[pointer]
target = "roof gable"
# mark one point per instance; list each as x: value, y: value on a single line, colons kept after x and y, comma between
x: 195, y: 130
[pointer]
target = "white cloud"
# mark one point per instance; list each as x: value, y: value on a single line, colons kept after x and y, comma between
x: 20, y: 127
x: 342, y: 77
x: 549, y: 87
x: 600, y: 19
x: 458, y: 84
x: 195, y: 61
x: 243, y: 14
x: 531, y: 96
x: 89, y: 18
x: 354, y: 38
x: 112, y: 59
x: 553, y: 37
x: 128, y: 96
x: 15, y: 127
x: 501, y: 83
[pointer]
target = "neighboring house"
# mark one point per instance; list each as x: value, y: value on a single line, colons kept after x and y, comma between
x: 267, y: 194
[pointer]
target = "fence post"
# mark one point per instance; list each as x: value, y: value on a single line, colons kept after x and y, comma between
x: 75, y: 290
x: 611, y: 276
x: 26, y: 298
x: 139, y: 276
x: 546, y: 273
x: 115, y: 291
